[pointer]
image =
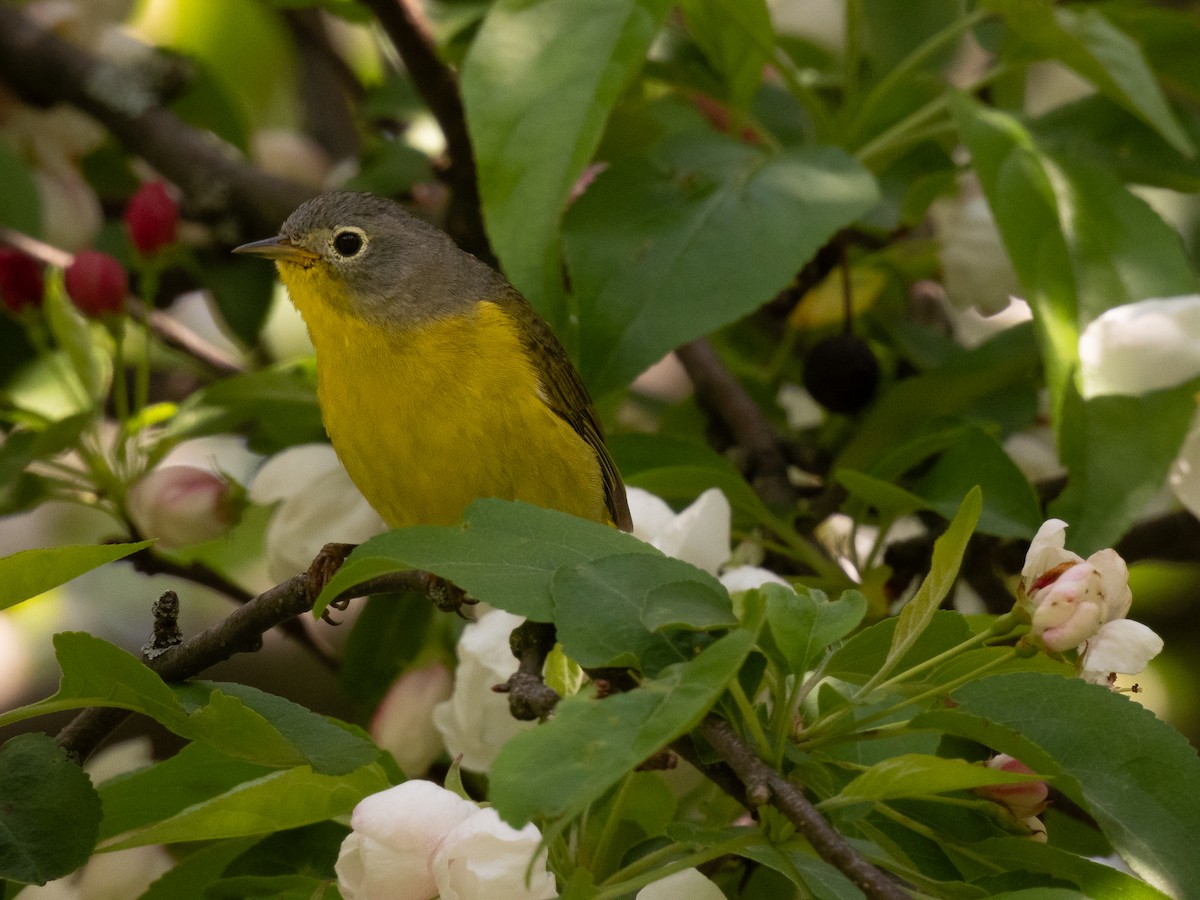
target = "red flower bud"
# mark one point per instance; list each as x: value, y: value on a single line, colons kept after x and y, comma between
x: 20, y: 280
x: 151, y: 218
x: 96, y: 283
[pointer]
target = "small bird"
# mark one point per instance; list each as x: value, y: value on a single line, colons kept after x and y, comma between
x: 438, y: 383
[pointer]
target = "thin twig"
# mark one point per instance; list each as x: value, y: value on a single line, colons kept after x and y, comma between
x: 765, y: 785
x: 724, y: 397
x: 437, y: 84
x: 43, y: 69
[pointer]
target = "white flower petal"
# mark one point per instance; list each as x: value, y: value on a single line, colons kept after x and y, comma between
x: 483, y: 858
x: 702, y: 533
x: 389, y: 854
x: 1046, y: 550
x: 1115, y: 349
x: 689, y: 884
x: 403, y: 723
x: 651, y: 514
x: 285, y: 473
x: 475, y: 722
x: 1123, y: 646
x: 745, y: 578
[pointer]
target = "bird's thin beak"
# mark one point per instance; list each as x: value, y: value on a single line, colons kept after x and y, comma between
x: 280, y: 248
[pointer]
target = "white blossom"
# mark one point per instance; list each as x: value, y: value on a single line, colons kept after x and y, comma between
x: 688, y: 884
x: 418, y: 840
x: 318, y: 504
x: 483, y: 858
x: 475, y: 722
x: 389, y: 853
x: 700, y: 535
x: 1073, y: 603
x: 1141, y: 347
x: 181, y: 505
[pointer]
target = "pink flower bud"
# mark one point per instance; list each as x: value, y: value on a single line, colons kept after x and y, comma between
x: 1025, y: 799
x: 181, y: 505
x: 403, y: 722
x: 20, y: 280
x: 151, y: 218
x: 96, y: 283
x: 1069, y: 609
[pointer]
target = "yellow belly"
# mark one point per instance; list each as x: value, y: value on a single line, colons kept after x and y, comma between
x: 427, y: 420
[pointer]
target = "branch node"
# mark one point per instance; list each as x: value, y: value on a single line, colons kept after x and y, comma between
x: 166, y: 633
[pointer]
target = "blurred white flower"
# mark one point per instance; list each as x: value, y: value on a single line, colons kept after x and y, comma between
x: 475, y: 722
x: 700, y: 535
x: 389, y: 853
x: 799, y: 408
x: 1035, y: 454
x: 1073, y: 603
x: 182, y: 505
x: 745, y: 578
x: 690, y: 884
x: 403, y: 723
x: 1141, y: 347
x: 975, y: 267
x: 318, y: 504
x: 1184, y: 477
x: 418, y: 840
x: 483, y: 858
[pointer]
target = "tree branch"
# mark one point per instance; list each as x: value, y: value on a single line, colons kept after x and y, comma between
x: 438, y: 85
x: 720, y: 393
x: 764, y: 785
x: 240, y: 632
x: 44, y: 69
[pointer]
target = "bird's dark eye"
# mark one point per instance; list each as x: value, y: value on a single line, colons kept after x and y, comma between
x: 347, y: 243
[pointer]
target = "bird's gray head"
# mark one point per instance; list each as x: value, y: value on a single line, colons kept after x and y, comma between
x: 393, y: 267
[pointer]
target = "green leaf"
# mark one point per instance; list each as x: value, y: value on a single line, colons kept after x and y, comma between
x: 276, y: 408
x: 978, y: 384
x: 1119, y: 450
x: 1098, y: 129
x: 678, y: 471
x: 666, y: 248
x: 1100, y: 52
x: 20, y: 204
x: 737, y: 38
x: 917, y: 775
x: 804, y: 623
x: 886, y: 500
x: 863, y: 655
x: 49, y: 811
x: 1094, y: 879
x: 1080, y: 241
x: 195, y: 774
x: 79, y: 339
x: 504, y: 552
x: 31, y: 572
x: 612, y: 611
x: 96, y: 673
x: 1010, y: 504
x: 538, y: 84
x: 948, y: 552
x: 191, y: 876
x: 277, y: 801
x: 572, y: 760
x: 1134, y: 774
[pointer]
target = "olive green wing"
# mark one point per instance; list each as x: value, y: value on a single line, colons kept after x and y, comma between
x: 569, y: 399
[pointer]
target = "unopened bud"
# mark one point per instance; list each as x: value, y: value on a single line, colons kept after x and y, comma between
x: 20, y: 280
x: 152, y: 218
x: 181, y: 505
x: 1024, y: 799
x: 97, y: 283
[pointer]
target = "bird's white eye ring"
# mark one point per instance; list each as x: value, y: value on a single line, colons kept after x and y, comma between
x: 348, y: 241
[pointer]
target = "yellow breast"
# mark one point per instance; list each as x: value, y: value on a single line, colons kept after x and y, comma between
x: 427, y: 419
